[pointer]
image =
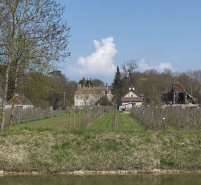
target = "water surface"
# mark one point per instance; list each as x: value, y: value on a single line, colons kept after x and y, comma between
x: 184, y: 179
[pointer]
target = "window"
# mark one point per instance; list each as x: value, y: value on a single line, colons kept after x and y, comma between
x: 77, y: 97
x: 81, y: 103
x: 131, y: 95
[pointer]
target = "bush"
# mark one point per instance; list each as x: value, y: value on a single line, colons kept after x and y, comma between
x: 30, y: 114
x: 155, y: 118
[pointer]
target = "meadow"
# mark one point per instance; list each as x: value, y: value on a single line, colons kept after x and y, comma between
x: 97, y: 140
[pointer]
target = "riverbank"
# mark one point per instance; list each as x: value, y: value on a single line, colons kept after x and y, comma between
x: 119, y: 172
x: 92, y: 151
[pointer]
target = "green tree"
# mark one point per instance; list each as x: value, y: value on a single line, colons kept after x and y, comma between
x: 36, y: 87
x: 117, y: 87
x: 57, y: 94
x: 32, y: 36
x: 85, y: 82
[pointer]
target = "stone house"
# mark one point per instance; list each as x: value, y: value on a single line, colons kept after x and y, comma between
x: 90, y: 96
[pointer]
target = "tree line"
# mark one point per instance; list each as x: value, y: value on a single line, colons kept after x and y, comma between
x: 152, y: 83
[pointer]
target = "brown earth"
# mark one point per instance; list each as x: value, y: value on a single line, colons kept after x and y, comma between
x: 46, y: 123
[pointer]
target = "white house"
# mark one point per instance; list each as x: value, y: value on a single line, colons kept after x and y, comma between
x: 131, y: 99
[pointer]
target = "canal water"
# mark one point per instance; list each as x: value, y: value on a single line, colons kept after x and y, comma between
x: 185, y: 179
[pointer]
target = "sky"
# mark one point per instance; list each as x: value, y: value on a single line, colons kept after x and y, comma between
x: 158, y: 34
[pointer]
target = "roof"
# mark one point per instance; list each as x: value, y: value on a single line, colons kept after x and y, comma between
x: 91, y: 90
x: 132, y: 99
x: 20, y: 100
x: 133, y: 92
x: 178, y: 87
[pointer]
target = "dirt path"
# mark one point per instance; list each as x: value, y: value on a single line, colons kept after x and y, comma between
x: 47, y: 122
x: 63, y: 125
x: 73, y: 123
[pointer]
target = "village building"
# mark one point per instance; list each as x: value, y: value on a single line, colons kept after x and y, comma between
x: 90, y: 96
x: 131, y: 99
x: 178, y: 95
x: 20, y: 102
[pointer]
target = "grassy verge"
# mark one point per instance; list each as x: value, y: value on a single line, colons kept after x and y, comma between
x: 128, y: 147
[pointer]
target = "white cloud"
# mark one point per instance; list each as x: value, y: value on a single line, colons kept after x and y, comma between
x: 97, y: 65
x: 163, y: 66
x: 143, y: 66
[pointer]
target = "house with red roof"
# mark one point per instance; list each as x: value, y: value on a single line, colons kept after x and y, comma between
x: 131, y: 99
x: 20, y: 102
x: 178, y: 95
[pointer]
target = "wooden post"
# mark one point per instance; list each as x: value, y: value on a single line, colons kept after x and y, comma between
x: 74, y: 119
x: 69, y: 121
x: 78, y: 120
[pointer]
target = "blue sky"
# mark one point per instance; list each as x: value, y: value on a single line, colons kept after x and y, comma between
x: 156, y: 33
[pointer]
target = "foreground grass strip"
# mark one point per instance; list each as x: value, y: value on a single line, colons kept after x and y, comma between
x: 56, y: 151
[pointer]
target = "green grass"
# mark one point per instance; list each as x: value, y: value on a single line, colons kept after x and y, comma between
x: 33, y: 123
x: 126, y: 123
x: 100, y: 147
x: 62, y: 150
x: 49, y: 123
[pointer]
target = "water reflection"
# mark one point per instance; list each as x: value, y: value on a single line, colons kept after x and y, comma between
x: 189, y: 179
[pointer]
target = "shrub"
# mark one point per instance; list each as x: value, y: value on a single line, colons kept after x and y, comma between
x: 30, y: 114
x: 155, y: 118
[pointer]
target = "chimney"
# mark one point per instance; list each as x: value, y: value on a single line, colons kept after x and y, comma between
x: 173, y: 87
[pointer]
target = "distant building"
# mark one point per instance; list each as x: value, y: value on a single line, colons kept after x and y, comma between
x: 131, y: 99
x: 90, y: 96
x: 177, y: 95
x: 20, y: 102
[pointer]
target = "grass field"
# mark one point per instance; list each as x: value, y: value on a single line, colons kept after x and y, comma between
x: 45, y: 146
x: 125, y: 123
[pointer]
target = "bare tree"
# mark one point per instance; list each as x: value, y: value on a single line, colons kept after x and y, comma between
x: 128, y: 74
x: 32, y: 36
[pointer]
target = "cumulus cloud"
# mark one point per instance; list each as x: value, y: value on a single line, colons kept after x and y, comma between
x: 144, y: 66
x: 99, y: 64
x: 163, y: 66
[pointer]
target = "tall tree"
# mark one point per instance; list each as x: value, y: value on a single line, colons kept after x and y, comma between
x: 129, y: 75
x: 117, y: 87
x: 57, y: 95
x: 33, y: 35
